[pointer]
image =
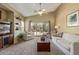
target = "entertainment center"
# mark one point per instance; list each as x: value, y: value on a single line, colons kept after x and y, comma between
x: 6, y: 37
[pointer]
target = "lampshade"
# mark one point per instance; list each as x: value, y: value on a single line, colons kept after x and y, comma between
x: 57, y: 26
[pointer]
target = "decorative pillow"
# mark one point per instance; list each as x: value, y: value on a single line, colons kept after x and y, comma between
x: 60, y: 34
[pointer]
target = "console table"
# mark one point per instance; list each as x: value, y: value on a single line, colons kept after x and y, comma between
x: 43, y: 46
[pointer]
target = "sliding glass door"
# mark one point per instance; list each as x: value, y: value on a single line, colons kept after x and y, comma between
x: 40, y: 27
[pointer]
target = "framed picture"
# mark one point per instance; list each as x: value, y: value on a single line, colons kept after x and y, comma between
x: 73, y: 19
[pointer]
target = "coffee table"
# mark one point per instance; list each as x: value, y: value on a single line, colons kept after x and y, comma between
x: 43, y: 46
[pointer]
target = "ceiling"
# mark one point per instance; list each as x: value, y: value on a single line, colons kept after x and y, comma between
x: 27, y: 9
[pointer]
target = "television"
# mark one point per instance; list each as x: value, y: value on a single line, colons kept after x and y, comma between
x: 5, y: 27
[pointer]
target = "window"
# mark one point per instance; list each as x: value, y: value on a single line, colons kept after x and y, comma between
x: 39, y: 28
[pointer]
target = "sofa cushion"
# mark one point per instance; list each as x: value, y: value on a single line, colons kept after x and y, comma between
x: 70, y: 37
x: 64, y: 43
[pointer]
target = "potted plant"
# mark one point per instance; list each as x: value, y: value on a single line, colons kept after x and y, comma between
x: 20, y: 38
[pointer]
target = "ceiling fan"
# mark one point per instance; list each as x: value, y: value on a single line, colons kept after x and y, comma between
x: 40, y: 11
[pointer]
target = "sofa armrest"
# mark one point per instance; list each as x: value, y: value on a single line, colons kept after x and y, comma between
x: 53, y: 37
x: 74, y: 48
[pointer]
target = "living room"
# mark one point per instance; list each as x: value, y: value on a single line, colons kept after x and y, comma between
x: 60, y: 22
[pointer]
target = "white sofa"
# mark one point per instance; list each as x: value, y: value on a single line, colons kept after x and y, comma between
x: 69, y: 43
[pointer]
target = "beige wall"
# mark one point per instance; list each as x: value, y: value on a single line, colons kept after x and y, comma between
x: 61, y: 14
x: 45, y: 17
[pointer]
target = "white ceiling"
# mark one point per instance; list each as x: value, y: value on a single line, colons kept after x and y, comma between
x: 27, y: 9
